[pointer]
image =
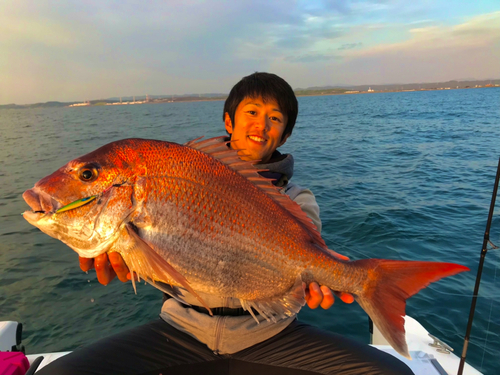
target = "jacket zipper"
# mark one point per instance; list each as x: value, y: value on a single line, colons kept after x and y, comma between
x: 218, y: 327
x: 219, y: 324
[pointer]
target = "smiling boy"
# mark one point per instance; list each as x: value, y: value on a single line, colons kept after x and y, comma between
x: 259, y: 116
x: 261, y: 128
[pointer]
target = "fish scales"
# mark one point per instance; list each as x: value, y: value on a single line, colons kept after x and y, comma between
x: 223, y: 214
x: 222, y: 227
x: 197, y: 217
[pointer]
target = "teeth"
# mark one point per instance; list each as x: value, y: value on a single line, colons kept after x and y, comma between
x: 256, y: 139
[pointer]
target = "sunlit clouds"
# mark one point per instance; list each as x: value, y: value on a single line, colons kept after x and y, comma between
x: 89, y: 50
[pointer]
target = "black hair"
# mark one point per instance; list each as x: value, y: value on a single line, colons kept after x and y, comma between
x: 268, y: 86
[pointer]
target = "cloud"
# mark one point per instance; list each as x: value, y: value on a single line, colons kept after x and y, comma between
x: 435, y: 53
x: 350, y: 45
x: 81, y: 50
x: 53, y: 46
x: 483, y: 30
x: 307, y: 58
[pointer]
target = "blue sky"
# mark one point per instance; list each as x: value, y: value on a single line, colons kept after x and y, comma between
x: 81, y: 50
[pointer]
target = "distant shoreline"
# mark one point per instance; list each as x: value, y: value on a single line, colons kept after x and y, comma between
x: 301, y: 93
x: 365, y: 89
x: 387, y: 91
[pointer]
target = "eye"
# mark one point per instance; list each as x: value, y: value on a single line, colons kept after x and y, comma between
x: 88, y: 173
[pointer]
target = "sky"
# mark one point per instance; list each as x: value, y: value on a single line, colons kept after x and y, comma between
x: 86, y: 50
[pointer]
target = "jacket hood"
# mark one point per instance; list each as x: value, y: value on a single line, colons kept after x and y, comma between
x: 280, y: 168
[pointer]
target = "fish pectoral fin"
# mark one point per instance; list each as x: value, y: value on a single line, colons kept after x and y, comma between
x: 274, y: 309
x: 172, y: 290
x: 147, y: 264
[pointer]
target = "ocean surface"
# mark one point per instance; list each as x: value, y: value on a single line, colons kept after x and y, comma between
x: 397, y: 175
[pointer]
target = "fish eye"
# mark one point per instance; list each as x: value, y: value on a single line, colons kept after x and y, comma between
x: 88, y: 173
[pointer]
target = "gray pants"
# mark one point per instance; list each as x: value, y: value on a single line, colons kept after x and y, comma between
x: 158, y: 348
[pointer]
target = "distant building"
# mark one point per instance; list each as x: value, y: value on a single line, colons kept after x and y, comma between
x: 80, y: 104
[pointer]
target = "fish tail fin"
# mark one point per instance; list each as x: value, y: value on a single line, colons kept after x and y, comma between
x: 389, y: 284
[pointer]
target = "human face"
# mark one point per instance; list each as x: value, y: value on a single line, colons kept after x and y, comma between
x: 257, y: 129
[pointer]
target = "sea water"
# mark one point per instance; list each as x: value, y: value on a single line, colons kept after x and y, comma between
x: 397, y: 175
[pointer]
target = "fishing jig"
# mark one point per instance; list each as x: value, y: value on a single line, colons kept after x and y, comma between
x: 76, y: 204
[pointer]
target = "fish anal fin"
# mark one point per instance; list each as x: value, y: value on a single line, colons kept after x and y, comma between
x: 275, y: 309
x: 146, y: 263
x: 389, y: 284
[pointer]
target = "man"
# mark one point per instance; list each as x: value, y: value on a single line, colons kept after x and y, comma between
x: 259, y: 116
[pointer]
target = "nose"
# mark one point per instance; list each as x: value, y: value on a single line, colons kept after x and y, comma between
x: 263, y: 122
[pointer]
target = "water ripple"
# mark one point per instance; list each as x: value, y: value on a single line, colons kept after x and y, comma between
x: 397, y: 175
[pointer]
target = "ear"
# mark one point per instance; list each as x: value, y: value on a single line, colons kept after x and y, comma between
x: 284, y: 140
x: 228, y: 123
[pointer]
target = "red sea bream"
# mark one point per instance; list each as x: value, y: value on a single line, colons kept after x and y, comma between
x: 198, y: 217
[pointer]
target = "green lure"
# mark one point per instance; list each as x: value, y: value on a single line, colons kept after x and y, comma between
x: 76, y: 204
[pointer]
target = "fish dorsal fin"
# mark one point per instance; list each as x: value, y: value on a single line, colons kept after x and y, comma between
x: 217, y: 148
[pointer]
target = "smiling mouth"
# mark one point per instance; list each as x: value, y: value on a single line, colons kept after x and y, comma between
x: 256, y: 138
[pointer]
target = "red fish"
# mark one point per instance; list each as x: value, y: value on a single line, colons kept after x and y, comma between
x: 196, y: 216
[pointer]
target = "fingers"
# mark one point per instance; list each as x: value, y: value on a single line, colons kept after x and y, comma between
x: 119, y: 266
x: 323, y: 296
x: 107, y: 267
x: 345, y: 297
x: 103, y: 269
x: 319, y: 296
x: 314, y: 296
x: 136, y: 276
x: 86, y: 263
x: 328, y: 298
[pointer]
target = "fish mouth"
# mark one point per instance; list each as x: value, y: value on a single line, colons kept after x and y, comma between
x: 40, y: 202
